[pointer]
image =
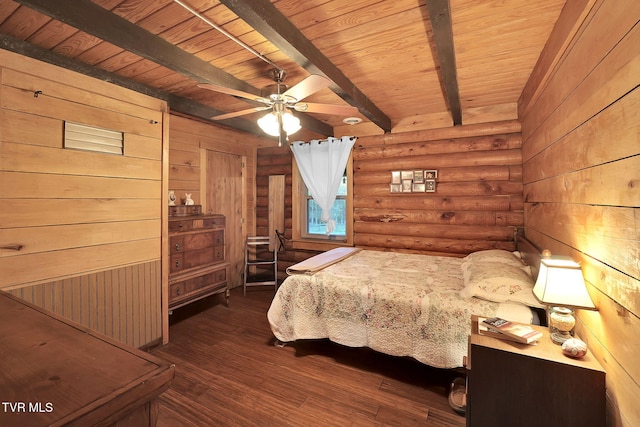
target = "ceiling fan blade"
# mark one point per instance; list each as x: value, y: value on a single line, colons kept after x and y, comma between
x: 233, y: 92
x: 239, y: 113
x: 308, y: 86
x: 338, y: 110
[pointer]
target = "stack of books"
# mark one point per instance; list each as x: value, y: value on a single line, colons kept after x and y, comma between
x: 508, y: 330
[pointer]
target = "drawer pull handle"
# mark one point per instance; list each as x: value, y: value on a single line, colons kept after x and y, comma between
x: 178, y: 291
x: 177, y: 246
x: 180, y: 225
x: 177, y: 263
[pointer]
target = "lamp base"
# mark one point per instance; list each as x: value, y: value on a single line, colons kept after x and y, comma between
x: 561, y: 323
x: 560, y: 337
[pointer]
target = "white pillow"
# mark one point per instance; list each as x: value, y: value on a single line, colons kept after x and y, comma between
x: 499, y: 282
x: 496, y: 255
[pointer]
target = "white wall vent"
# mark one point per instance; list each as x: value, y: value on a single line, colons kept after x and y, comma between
x: 91, y: 138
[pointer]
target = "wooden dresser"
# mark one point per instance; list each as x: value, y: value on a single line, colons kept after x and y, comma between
x: 197, y: 266
x: 56, y: 372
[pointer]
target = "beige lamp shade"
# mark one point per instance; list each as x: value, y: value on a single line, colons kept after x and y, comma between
x: 560, y: 283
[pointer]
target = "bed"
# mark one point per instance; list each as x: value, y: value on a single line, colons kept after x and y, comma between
x: 402, y: 304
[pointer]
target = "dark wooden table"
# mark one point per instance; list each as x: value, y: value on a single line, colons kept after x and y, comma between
x: 56, y: 372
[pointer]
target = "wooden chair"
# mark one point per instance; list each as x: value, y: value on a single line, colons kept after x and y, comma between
x: 260, y: 262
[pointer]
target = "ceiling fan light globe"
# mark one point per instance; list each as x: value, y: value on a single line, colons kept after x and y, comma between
x: 269, y: 124
x: 290, y: 123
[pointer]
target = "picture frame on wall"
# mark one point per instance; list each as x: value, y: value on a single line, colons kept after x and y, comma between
x: 413, y: 181
x: 431, y: 174
x: 419, y: 187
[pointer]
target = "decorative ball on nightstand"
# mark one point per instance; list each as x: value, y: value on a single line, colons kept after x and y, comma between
x: 573, y: 347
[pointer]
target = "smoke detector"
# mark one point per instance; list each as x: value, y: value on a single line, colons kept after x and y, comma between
x: 352, y: 120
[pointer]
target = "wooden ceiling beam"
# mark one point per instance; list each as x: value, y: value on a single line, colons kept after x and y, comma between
x: 92, y: 19
x: 440, y: 17
x: 265, y: 18
x: 176, y: 103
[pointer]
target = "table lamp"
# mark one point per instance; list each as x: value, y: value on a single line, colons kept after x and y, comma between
x: 560, y: 285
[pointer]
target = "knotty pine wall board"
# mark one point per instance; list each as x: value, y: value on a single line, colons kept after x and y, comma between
x: 580, y: 127
x: 79, y: 217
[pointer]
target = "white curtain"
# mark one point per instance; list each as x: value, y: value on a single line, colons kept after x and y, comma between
x: 321, y: 164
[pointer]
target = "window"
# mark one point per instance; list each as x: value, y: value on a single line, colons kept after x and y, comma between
x: 308, y: 230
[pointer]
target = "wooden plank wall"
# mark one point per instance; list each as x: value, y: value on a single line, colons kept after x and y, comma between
x: 478, y: 203
x: 190, y: 142
x: 580, y: 116
x: 69, y: 215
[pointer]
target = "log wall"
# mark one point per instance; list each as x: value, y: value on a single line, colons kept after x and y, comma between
x: 580, y: 115
x: 478, y: 203
x: 70, y: 217
x: 478, y: 199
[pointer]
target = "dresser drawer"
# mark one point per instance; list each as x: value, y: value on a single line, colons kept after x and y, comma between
x: 181, y: 225
x: 198, y: 287
x: 195, y: 241
x: 196, y: 258
x: 176, y: 243
x: 213, y: 221
x: 209, y: 279
x: 199, y: 257
x: 218, y: 254
x: 176, y: 290
x: 218, y: 238
x: 176, y: 263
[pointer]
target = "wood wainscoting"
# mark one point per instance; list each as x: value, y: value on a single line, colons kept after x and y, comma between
x: 123, y: 303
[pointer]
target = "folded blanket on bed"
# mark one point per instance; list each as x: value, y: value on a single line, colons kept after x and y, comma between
x: 320, y: 261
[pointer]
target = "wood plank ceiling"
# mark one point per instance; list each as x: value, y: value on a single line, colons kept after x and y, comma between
x: 405, y: 64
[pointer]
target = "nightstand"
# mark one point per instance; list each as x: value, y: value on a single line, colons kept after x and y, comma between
x: 512, y: 384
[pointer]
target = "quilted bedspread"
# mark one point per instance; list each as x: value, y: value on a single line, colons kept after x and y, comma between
x: 395, y: 303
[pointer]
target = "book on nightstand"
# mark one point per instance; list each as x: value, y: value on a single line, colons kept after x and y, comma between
x: 506, y: 329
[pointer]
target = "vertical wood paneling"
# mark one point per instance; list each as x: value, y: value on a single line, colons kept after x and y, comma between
x: 120, y: 303
x: 276, y: 204
x: 581, y: 149
x: 225, y: 197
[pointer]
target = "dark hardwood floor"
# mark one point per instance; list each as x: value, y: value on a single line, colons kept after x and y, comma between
x: 230, y: 373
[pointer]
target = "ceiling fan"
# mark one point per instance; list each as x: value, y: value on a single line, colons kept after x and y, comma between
x: 280, y: 119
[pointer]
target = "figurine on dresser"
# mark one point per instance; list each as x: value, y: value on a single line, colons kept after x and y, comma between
x: 188, y: 201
